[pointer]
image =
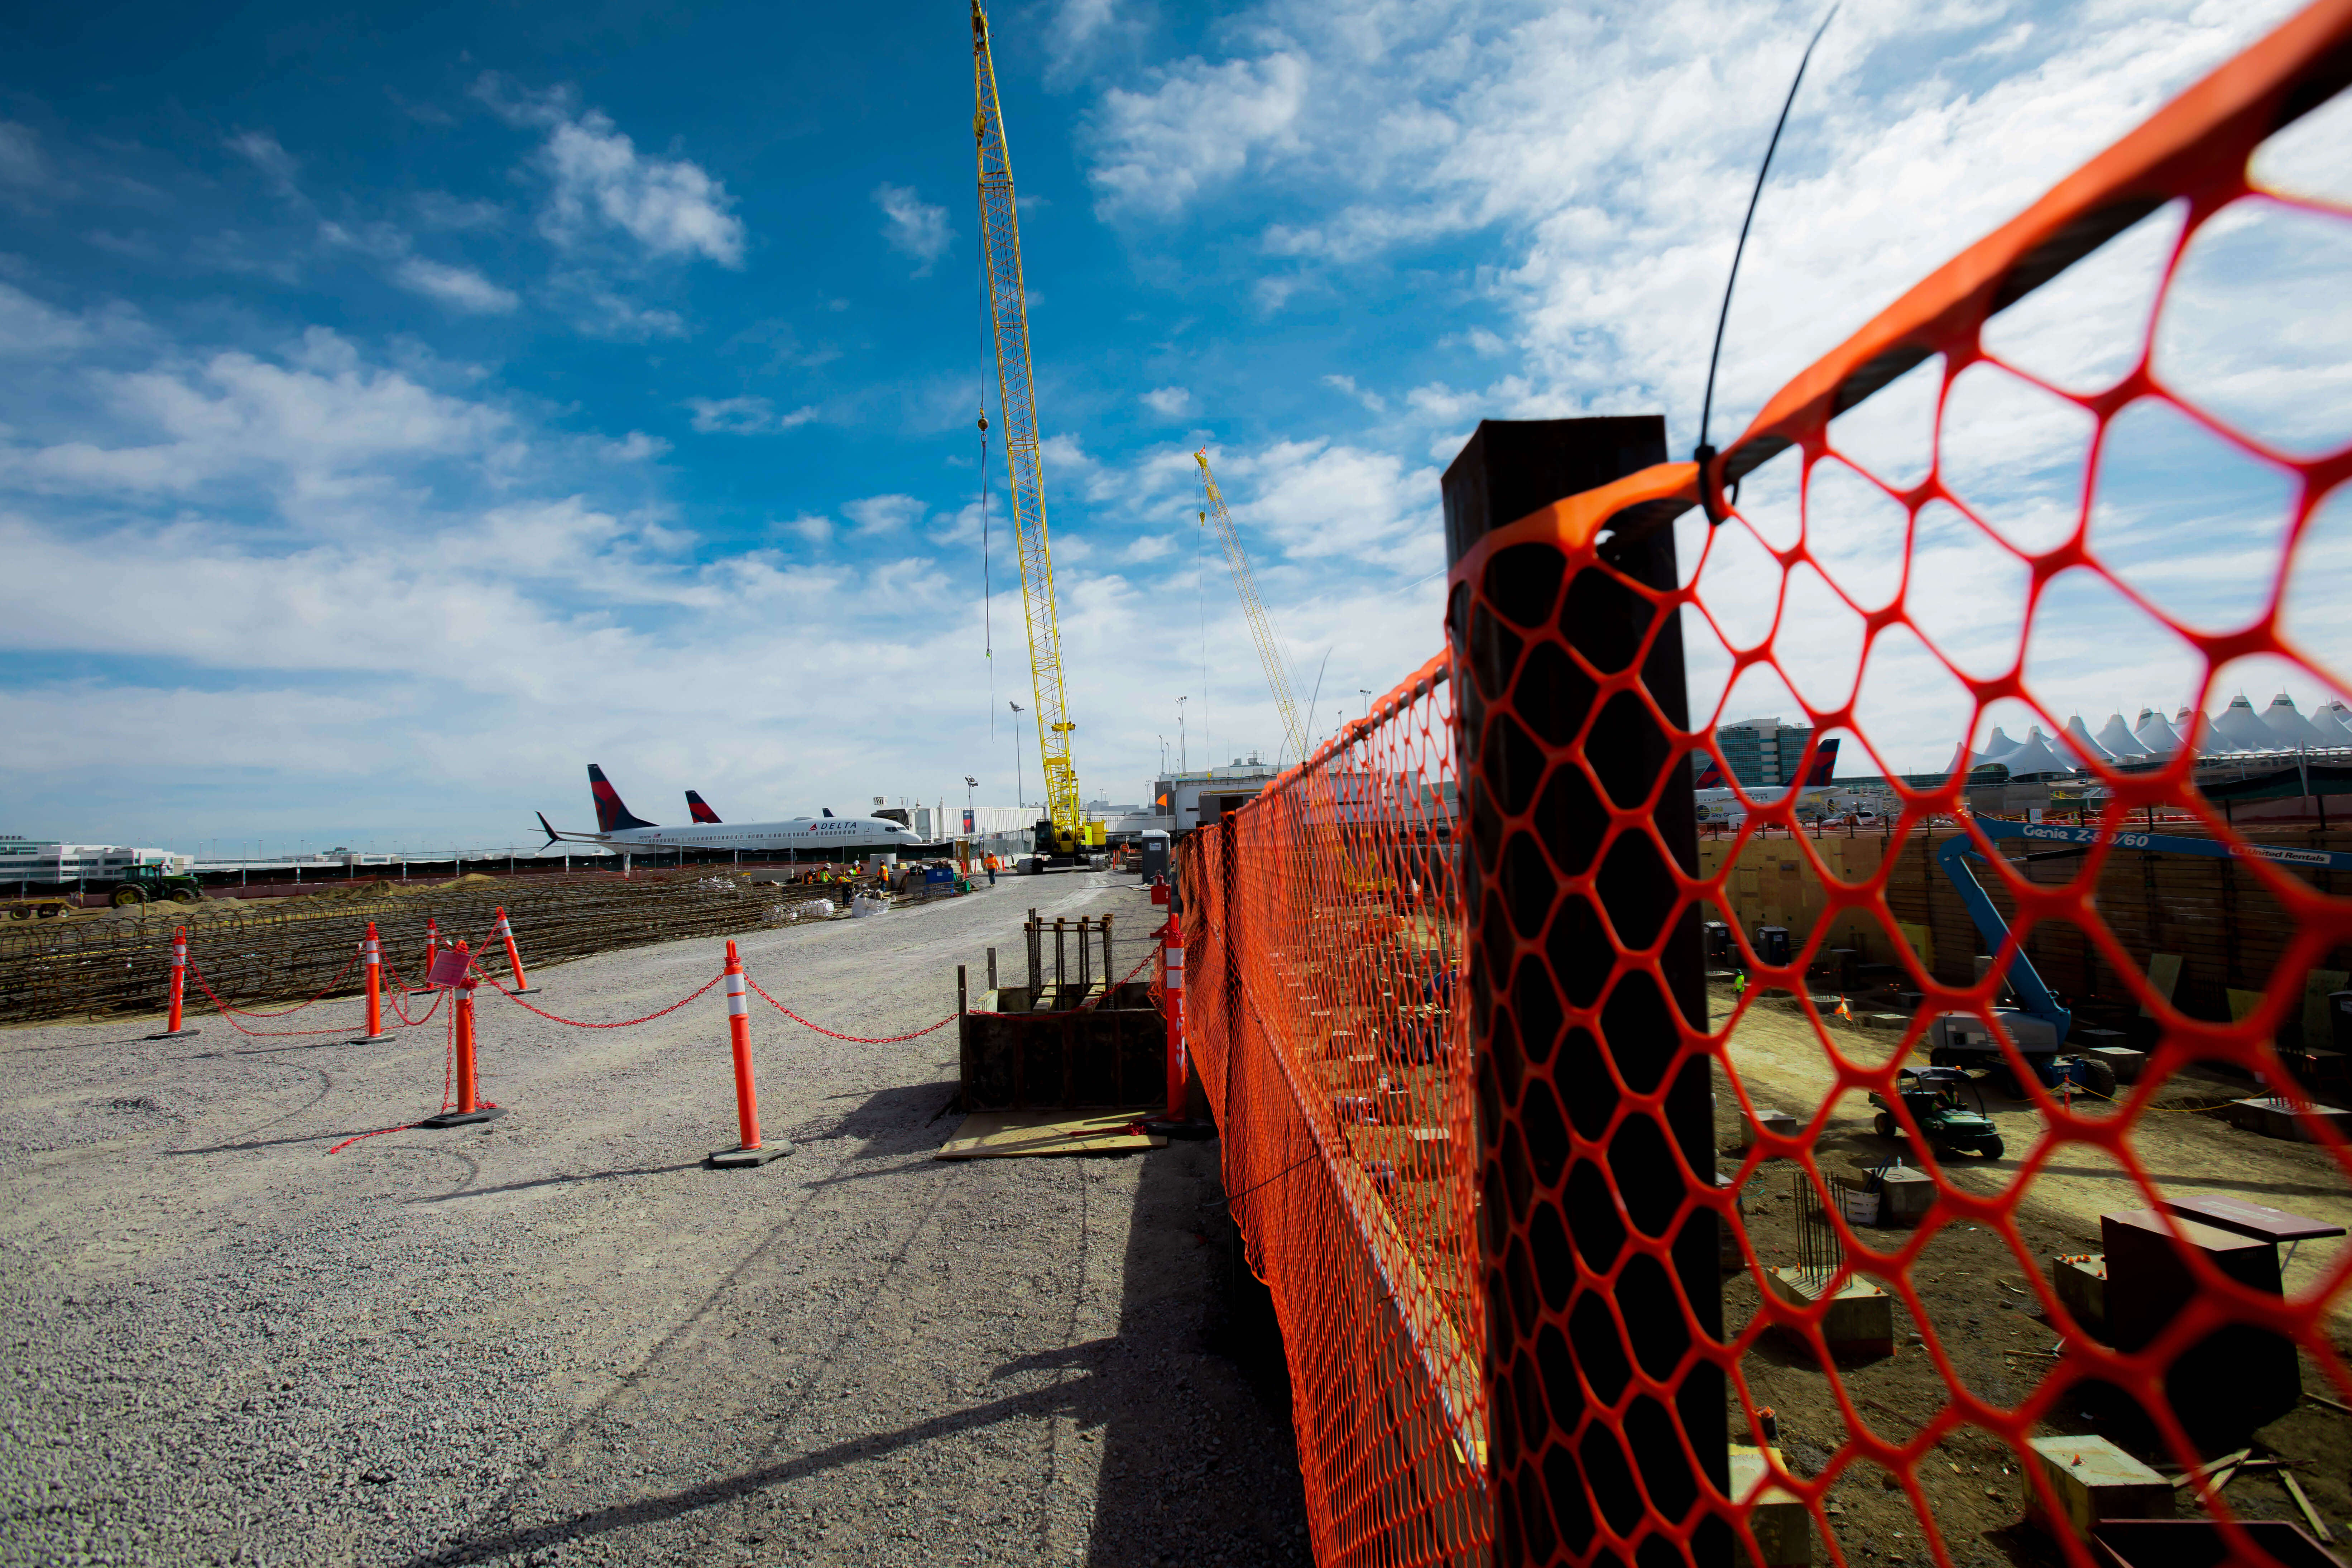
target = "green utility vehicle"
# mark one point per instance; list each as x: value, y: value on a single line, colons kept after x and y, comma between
x: 1932, y: 1095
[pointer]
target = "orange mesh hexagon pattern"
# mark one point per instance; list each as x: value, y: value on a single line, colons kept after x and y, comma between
x: 1777, y: 1158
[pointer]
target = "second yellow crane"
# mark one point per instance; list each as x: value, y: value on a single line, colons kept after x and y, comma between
x: 1269, y: 651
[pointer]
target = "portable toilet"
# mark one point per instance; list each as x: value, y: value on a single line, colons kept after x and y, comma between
x: 1153, y: 860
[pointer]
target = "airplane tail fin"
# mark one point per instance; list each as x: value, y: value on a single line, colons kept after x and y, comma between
x: 1824, y: 764
x: 611, y: 814
x: 699, y: 808
x: 1710, y: 776
x: 553, y: 836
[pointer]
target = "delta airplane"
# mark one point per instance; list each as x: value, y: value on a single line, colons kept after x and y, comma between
x: 1719, y: 803
x: 825, y: 837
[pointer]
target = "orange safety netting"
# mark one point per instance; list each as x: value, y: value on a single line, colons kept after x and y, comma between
x: 2101, y: 451
x: 1323, y: 947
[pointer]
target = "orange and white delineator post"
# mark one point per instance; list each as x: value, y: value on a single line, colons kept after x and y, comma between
x: 470, y: 1107
x: 522, y: 986
x: 749, y: 1150
x: 172, y: 1028
x: 431, y: 939
x: 1171, y: 992
x: 372, y: 958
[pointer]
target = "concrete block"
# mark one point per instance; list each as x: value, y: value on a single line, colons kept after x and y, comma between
x: 1910, y: 1195
x: 2095, y: 1481
x: 2273, y: 1116
x: 2127, y: 1062
x: 1861, y: 1318
x: 2081, y: 1282
x: 1777, y: 1123
x: 1783, y: 1530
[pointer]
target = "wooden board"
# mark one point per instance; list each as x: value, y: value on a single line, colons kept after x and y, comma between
x: 1001, y: 1134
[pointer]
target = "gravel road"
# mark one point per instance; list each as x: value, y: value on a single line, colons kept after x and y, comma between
x: 558, y: 1338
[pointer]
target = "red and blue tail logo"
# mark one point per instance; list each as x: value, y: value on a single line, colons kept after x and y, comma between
x: 611, y: 814
x: 1824, y: 764
x: 1711, y: 774
x: 699, y: 808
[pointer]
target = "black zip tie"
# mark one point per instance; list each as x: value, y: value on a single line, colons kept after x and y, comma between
x: 1710, y: 494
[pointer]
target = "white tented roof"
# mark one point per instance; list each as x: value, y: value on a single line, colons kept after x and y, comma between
x: 2245, y: 727
x: 2197, y: 730
x: 2282, y: 720
x: 2078, y: 740
x: 2160, y: 738
x: 2035, y: 756
x: 2117, y: 737
x: 2334, y: 724
x: 1997, y: 748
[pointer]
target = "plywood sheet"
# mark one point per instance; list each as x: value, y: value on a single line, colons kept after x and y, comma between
x: 999, y: 1134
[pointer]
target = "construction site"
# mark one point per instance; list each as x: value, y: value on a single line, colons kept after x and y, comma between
x: 1467, y: 1140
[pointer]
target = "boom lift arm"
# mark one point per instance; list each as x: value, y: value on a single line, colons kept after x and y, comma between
x: 1269, y: 652
x: 1065, y: 831
x: 2034, y: 996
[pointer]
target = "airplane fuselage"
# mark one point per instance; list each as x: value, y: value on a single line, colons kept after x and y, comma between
x: 808, y: 837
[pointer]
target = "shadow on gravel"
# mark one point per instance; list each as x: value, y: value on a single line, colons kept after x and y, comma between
x: 1199, y: 1464
x: 560, y: 1182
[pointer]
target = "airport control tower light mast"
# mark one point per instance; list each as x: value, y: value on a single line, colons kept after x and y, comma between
x: 1065, y: 831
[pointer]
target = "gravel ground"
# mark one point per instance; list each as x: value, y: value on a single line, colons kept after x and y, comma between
x: 558, y: 1338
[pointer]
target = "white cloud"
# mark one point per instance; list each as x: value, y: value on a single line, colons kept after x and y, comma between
x: 29, y: 327
x: 885, y: 514
x: 743, y: 416
x: 1196, y: 128
x: 1372, y: 401
x: 913, y: 226
x: 461, y: 288
x: 814, y: 527
x: 1168, y: 402
x: 1150, y: 547
x: 598, y: 180
x: 262, y: 150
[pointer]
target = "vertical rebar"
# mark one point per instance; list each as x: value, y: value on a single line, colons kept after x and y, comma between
x: 1061, y: 970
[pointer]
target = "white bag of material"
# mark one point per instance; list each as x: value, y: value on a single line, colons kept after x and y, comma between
x: 817, y: 909
x: 861, y: 906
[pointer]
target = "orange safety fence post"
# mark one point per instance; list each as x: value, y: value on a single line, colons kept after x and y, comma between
x: 372, y: 954
x: 172, y: 1028
x: 432, y: 942
x: 749, y: 1150
x: 454, y: 969
x: 522, y: 986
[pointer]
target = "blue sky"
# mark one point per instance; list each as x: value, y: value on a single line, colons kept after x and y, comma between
x: 405, y: 408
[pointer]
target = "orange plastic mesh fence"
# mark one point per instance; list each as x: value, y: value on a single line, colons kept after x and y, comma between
x: 1322, y: 947
x: 2099, y: 457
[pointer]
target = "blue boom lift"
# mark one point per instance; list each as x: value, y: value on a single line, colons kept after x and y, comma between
x: 2039, y: 1026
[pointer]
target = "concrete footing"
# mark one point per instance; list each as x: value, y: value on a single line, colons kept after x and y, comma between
x: 2095, y: 1481
x: 2276, y: 1116
x: 1861, y: 1318
x: 1784, y: 1534
x: 2081, y: 1282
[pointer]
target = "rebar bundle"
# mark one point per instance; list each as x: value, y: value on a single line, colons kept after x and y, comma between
x: 254, y: 955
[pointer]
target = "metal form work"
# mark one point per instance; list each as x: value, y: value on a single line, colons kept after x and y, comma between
x: 1065, y: 833
x: 1075, y: 973
x: 1269, y: 651
x: 259, y: 955
x: 1076, y: 1036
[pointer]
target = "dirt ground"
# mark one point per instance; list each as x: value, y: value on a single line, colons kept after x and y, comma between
x: 1982, y: 1306
x: 559, y: 1337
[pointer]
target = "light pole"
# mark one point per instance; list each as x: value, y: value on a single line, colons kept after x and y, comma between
x: 1184, y: 762
x: 1368, y: 702
x: 970, y: 823
x: 1017, y: 791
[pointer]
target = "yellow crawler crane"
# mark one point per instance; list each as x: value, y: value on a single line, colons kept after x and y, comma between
x: 1064, y: 832
x: 1269, y: 652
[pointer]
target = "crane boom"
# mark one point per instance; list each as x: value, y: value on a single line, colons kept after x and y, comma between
x: 1269, y: 652
x: 1000, y: 243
